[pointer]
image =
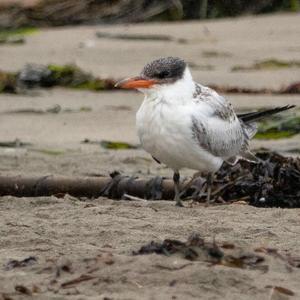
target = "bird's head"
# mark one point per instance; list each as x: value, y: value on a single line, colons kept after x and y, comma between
x: 157, y: 75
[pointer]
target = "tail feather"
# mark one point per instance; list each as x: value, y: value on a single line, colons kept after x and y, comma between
x: 255, y: 116
x: 249, y: 126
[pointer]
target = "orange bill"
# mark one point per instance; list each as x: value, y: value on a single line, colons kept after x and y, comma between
x: 135, y: 83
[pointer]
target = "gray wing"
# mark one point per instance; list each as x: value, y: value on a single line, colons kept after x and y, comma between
x: 220, y: 133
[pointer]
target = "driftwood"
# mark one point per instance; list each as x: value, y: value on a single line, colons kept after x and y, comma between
x: 91, y: 187
x: 274, y: 182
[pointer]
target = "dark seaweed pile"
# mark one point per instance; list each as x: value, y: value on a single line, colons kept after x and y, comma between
x: 197, y: 249
x: 275, y: 182
x: 226, y: 254
x: 33, y: 75
x: 191, y: 250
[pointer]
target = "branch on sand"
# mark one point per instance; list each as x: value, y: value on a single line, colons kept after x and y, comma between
x: 91, y: 187
x: 275, y: 182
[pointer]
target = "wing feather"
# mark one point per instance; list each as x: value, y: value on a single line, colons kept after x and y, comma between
x: 218, y: 131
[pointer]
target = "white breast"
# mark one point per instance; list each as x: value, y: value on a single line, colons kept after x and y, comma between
x: 165, y: 132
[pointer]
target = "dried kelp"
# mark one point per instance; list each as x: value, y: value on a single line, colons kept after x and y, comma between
x: 33, y: 75
x: 14, y: 144
x: 71, y: 76
x: 55, y: 109
x: 112, y: 145
x: 293, y: 88
x: 28, y: 261
x: 273, y: 182
x: 268, y: 64
x: 197, y: 249
x: 278, y: 127
x: 191, y: 250
x: 16, y: 36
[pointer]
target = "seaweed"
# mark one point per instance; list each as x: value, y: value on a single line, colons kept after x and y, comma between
x: 8, y: 82
x: 18, y: 31
x: 14, y: 144
x: 53, y: 152
x: 12, y: 264
x: 213, y: 53
x: 268, y: 64
x: 278, y: 128
x: 112, y: 145
x: 275, y: 182
x: 71, y: 76
x: 197, y: 249
x: 16, y: 36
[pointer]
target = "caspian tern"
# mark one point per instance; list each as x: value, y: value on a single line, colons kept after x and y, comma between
x: 184, y: 124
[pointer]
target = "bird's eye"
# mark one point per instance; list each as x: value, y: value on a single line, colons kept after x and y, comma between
x: 163, y: 74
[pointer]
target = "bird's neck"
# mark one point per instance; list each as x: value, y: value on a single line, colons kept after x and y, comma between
x: 178, y: 92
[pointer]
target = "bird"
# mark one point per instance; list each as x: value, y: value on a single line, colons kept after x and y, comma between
x: 184, y: 124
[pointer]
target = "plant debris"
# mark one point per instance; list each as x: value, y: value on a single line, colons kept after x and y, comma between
x: 18, y: 32
x: 23, y: 290
x: 278, y: 127
x: 281, y: 290
x: 201, y: 67
x: 71, y: 76
x: 196, y: 248
x: 33, y: 75
x: 267, y: 65
x: 138, y: 37
x: 15, y: 36
x: 55, y: 109
x: 213, y: 53
x: 53, y: 152
x: 77, y: 280
x: 13, y: 40
x: 293, y: 88
x: 112, y: 145
x: 293, y: 261
x: 14, y: 263
x: 14, y: 144
x: 275, y: 182
x: 8, y: 82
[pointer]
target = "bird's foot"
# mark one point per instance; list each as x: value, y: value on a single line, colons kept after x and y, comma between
x: 178, y: 201
x: 209, y: 182
x: 208, y: 202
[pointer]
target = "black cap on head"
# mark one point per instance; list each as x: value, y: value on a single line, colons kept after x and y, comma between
x: 165, y: 70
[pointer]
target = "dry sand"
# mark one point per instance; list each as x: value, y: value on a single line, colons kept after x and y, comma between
x: 95, y: 238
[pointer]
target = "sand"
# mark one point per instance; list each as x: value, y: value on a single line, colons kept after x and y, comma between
x: 97, y: 238
x: 93, y: 239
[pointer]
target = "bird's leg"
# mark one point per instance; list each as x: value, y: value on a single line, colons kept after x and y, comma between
x: 176, y: 179
x: 209, y: 181
x: 190, y: 182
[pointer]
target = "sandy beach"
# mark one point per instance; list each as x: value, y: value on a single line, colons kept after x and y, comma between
x: 82, y: 248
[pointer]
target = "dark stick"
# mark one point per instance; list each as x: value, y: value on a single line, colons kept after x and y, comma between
x: 90, y: 187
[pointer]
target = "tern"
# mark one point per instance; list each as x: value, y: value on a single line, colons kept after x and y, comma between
x: 184, y: 124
